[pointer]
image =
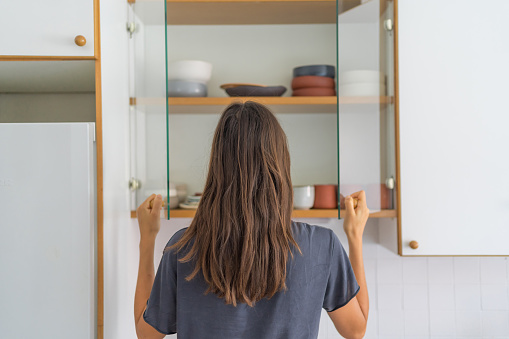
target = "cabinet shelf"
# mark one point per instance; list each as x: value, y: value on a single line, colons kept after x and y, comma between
x: 248, y: 12
x: 312, y: 213
x: 179, y: 105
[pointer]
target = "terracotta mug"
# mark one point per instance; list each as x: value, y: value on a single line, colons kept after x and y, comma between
x: 326, y: 197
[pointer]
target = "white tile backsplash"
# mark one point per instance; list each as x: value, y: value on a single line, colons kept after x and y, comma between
x: 416, y: 323
x: 467, y: 270
x: 442, y: 323
x: 370, y: 266
x: 441, y: 297
x: 372, y: 329
x: 468, y: 297
x: 437, y: 297
x: 493, y: 270
x: 390, y: 271
x: 431, y: 297
x: 495, y: 323
x: 415, y: 297
x: 494, y: 297
x: 390, y: 297
x: 440, y: 270
x: 415, y: 270
x: 468, y: 323
x: 391, y: 323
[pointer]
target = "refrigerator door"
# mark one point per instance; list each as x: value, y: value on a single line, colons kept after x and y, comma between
x: 47, y: 225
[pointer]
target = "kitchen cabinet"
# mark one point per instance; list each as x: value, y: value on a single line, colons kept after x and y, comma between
x: 48, y: 78
x: 47, y: 28
x: 453, y: 120
x: 261, y: 42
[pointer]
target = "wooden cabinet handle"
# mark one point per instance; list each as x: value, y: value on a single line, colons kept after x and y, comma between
x: 414, y: 244
x: 80, y: 40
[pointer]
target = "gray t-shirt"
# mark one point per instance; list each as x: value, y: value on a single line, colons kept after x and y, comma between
x: 321, y: 277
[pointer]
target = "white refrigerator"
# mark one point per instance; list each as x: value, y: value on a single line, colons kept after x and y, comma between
x: 48, y: 231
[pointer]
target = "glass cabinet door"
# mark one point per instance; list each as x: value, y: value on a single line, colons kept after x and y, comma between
x: 366, y: 103
x: 146, y: 33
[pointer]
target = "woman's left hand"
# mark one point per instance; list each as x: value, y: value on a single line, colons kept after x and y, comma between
x: 149, y: 218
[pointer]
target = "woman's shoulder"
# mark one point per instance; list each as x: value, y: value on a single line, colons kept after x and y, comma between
x: 302, y: 230
x: 175, y: 237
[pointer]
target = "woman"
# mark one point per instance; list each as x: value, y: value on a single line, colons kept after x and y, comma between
x: 243, y: 268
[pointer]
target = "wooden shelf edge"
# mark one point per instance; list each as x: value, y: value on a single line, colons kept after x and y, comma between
x: 223, y: 101
x: 259, y: 12
x: 312, y: 213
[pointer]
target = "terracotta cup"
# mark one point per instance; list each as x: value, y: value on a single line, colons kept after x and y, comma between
x: 326, y: 197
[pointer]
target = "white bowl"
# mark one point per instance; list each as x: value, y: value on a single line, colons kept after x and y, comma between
x: 361, y: 89
x: 361, y: 76
x: 303, y: 197
x: 174, y: 202
x: 190, y: 70
x: 184, y: 88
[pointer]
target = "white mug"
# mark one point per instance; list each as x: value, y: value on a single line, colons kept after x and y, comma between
x: 303, y: 197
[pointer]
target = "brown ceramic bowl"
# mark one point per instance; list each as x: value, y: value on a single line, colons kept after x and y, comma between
x: 314, y: 92
x: 307, y: 81
x: 256, y: 91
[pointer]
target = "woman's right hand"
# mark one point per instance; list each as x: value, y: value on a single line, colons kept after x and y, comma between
x: 355, y: 218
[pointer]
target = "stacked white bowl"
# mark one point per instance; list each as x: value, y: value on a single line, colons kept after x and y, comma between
x: 362, y: 83
x: 188, y: 78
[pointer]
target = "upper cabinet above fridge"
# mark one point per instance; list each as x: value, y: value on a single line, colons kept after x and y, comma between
x: 47, y: 28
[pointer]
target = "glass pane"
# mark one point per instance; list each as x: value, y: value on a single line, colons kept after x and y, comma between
x: 148, y: 103
x: 365, y: 112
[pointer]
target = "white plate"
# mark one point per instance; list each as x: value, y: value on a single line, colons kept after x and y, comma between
x: 188, y: 207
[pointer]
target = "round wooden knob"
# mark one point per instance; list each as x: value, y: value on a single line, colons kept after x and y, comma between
x: 414, y: 244
x: 80, y: 40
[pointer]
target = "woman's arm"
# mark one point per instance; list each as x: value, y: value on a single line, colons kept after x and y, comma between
x: 351, y: 319
x: 150, y: 223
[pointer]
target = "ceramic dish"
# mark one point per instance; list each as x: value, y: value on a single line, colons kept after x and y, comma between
x: 182, y: 88
x: 307, y: 81
x: 320, y: 70
x: 256, y: 91
x: 314, y: 92
x: 225, y: 86
x: 188, y: 207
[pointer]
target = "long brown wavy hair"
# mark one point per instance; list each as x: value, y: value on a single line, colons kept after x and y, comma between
x: 241, y: 234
